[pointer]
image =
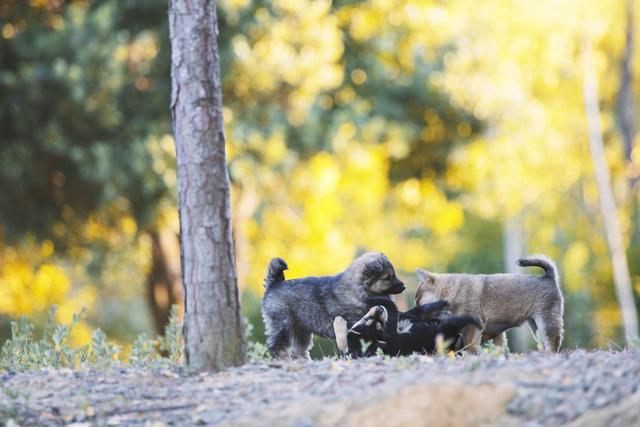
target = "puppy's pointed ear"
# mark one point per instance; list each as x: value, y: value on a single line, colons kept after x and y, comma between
x: 425, y: 276
x: 373, y: 268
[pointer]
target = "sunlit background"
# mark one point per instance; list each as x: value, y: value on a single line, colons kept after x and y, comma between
x: 450, y: 135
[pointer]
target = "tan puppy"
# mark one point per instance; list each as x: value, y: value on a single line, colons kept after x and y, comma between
x: 501, y: 301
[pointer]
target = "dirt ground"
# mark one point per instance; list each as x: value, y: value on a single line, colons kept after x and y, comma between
x: 575, y: 388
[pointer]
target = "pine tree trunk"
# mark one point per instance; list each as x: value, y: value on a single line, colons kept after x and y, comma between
x: 213, y: 329
x: 621, y: 276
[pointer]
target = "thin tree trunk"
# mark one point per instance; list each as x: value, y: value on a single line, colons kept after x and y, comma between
x: 513, y: 248
x: 213, y: 328
x: 626, y: 116
x: 164, y: 287
x: 626, y: 106
x: 621, y: 277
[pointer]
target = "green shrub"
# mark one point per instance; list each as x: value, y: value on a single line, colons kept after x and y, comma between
x: 172, y: 342
x: 143, y: 351
x: 24, y: 352
x: 256, y: 351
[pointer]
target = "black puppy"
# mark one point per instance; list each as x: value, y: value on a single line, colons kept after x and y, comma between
x: 399, y: 322
x: 431, y: 313
x: 377, y: 332
x: 377, y: 324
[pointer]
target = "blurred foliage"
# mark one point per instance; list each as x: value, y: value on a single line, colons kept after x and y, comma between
x: 23, y: 351
x: 417, y: 128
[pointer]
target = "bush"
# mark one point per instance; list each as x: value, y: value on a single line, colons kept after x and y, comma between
x: 23, y: 352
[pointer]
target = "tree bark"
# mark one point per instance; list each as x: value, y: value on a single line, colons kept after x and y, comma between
x: 213, y: 329
x: 621, y: 277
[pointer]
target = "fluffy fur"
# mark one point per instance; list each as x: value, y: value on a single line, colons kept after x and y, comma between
x: 294, y: 310
x: 502, y: 301
x: 401, y: 322
x: 377, y: 330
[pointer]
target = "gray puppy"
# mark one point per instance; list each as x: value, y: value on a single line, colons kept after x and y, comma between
x: 294, y: 310
x: 501, y: 301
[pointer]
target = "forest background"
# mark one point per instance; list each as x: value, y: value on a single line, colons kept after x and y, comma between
x: 448, y: 135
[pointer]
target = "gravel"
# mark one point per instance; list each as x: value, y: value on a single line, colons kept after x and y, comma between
x: 537, y: 388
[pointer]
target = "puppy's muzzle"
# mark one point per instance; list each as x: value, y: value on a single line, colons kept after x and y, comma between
x: 397, y: 287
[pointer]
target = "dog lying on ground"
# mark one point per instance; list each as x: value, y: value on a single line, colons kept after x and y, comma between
x: 399, y: 322
x: 378, y: 324
x: 377, y: 330
x: 501, y: 301
x: 294, y: 310
x: 433, y: 313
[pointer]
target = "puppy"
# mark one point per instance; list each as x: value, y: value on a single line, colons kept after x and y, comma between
x: 433, y: 314
x: 375, y: 331
x: 418, y: 328
x: 294, y: 310
x: 502, y: 301
x: 399, y: 322
x: 378, y: 324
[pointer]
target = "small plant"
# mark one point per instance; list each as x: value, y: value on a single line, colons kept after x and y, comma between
x: 490, y: 349
x: 256, y: 351
x: 172, y: 341
x: 16, y: 351
x: 23, y: 352
x: 143, y: 351
x: 539, y: 339
x: 103, y: 353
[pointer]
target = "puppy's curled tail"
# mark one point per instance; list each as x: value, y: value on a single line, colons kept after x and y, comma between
x: 275, y: 272
x: 542, y: 261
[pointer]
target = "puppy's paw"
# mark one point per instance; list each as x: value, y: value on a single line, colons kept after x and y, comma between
x: 432, y: 310
x: 444, y: 304
x: 381, y: 313
x: 340, y: 329
x: 377, y: 313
